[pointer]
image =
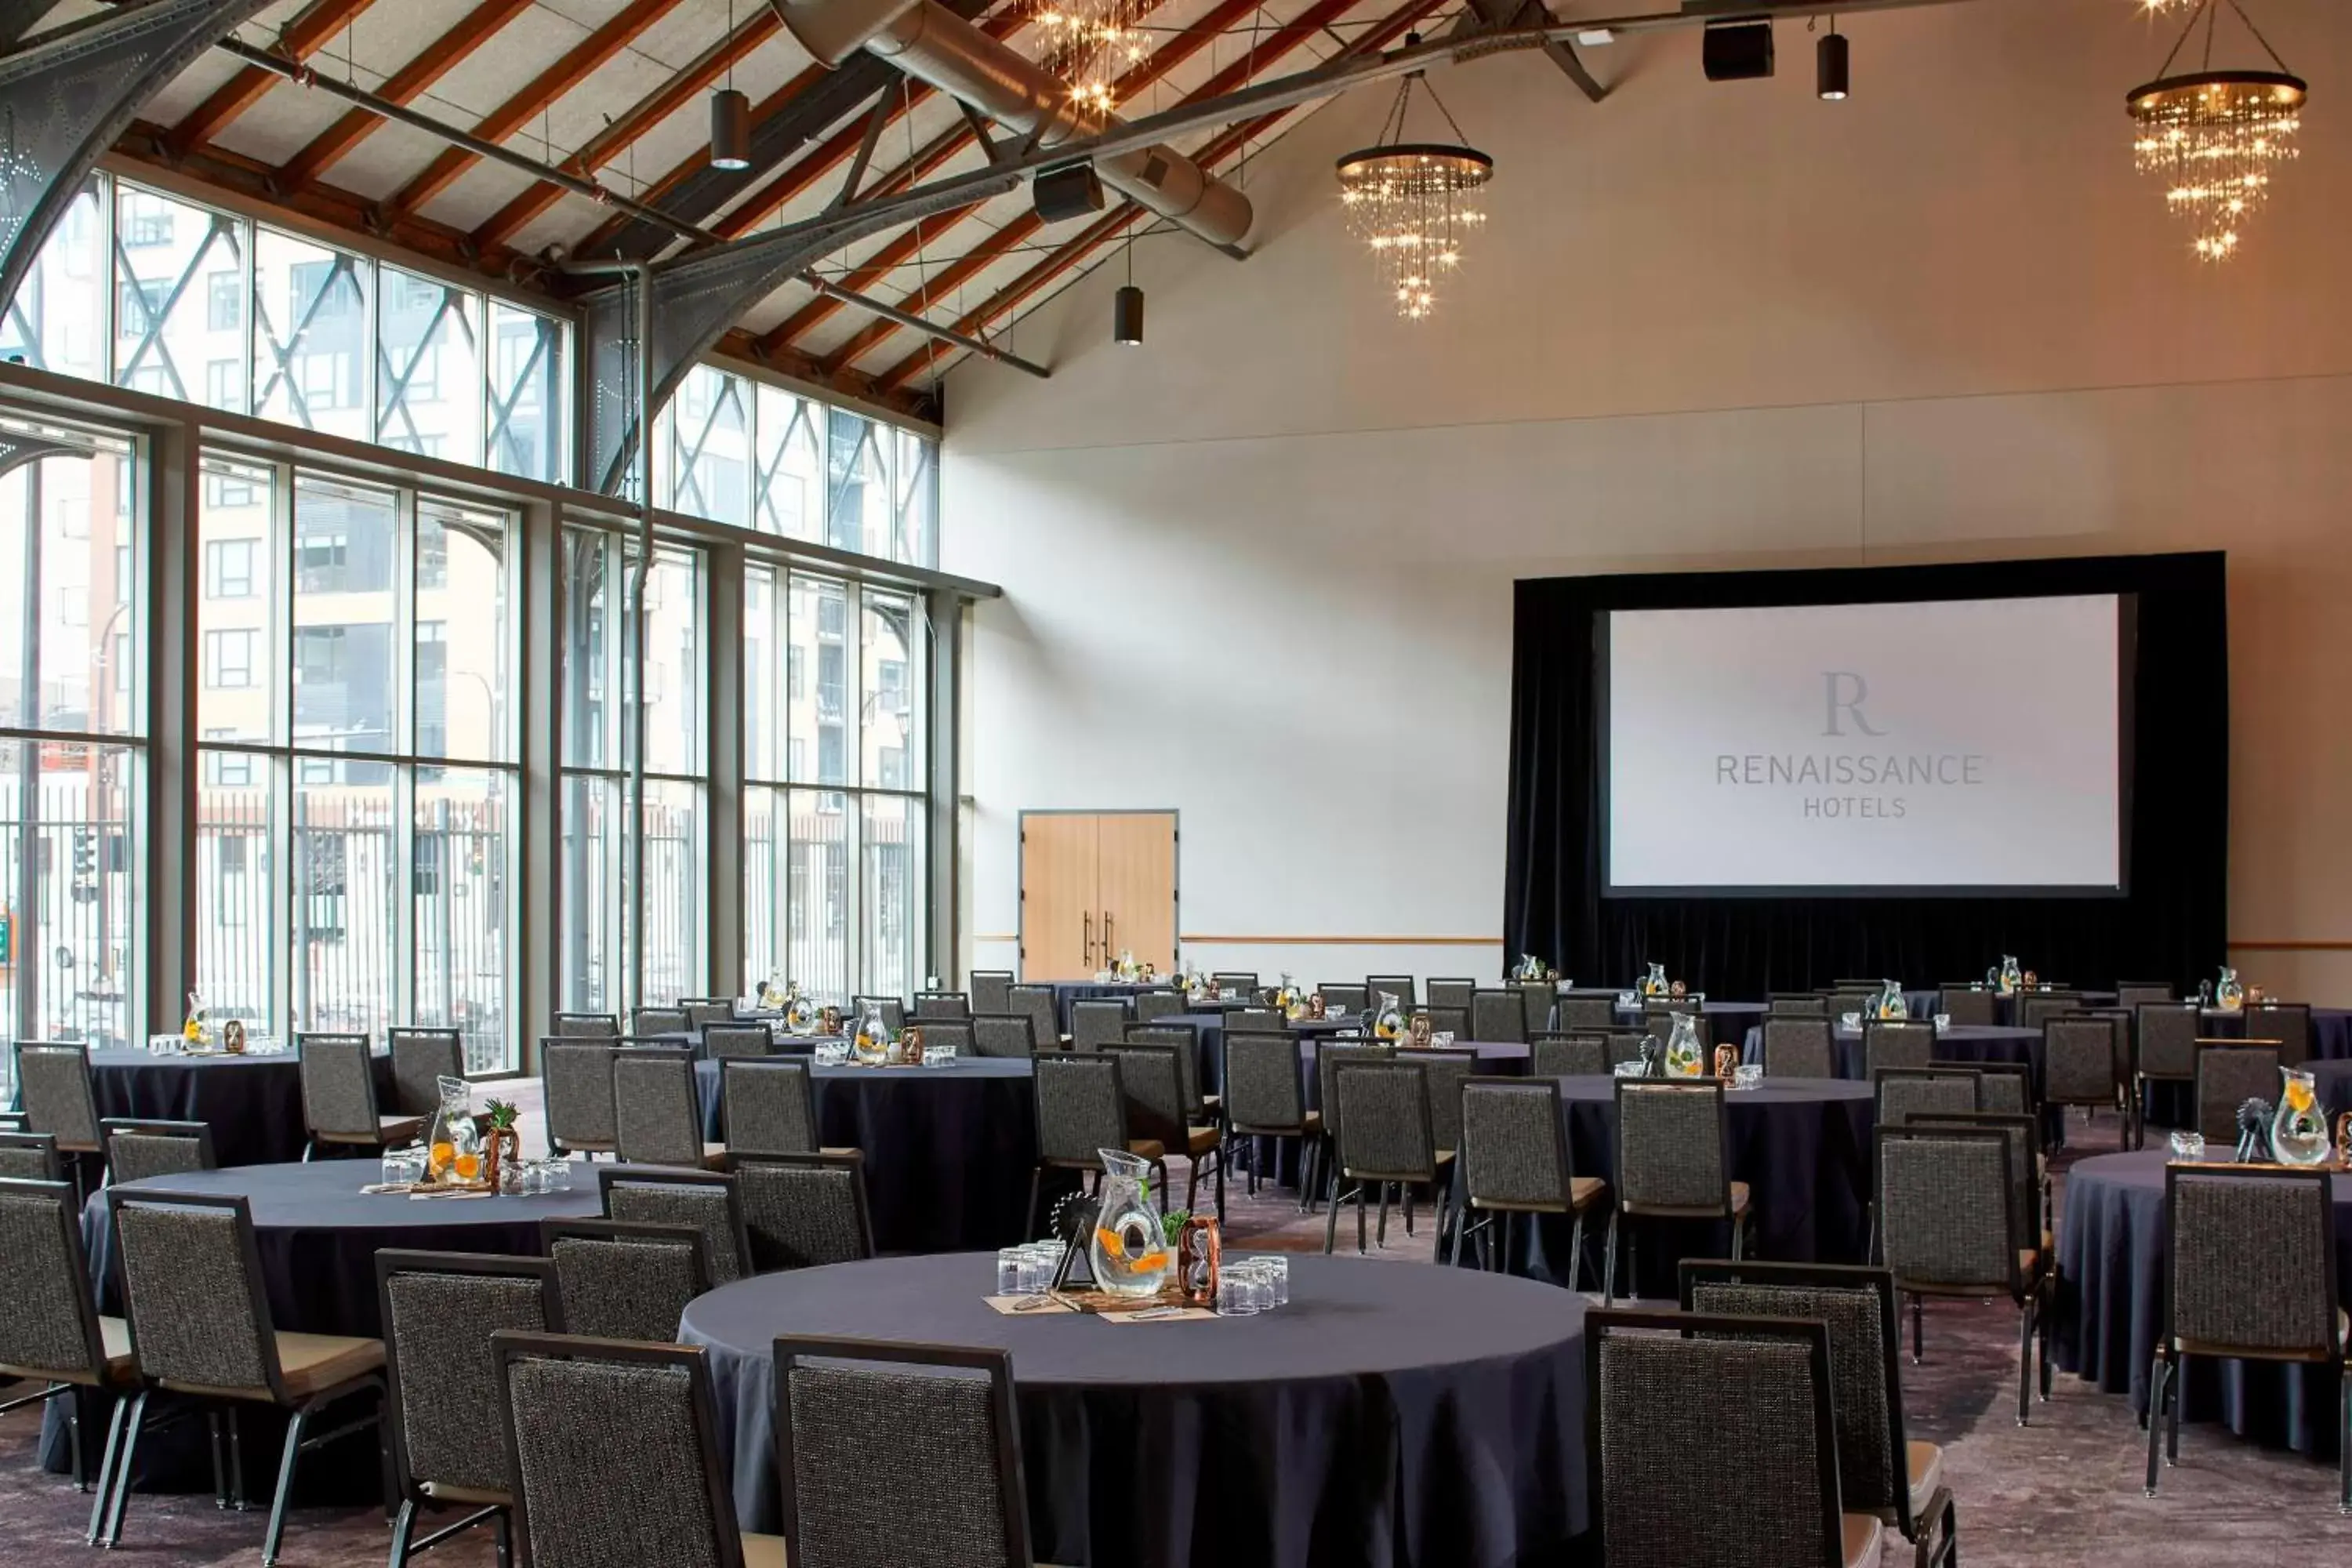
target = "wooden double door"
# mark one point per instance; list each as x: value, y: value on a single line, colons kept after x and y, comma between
x: 1093, y: 885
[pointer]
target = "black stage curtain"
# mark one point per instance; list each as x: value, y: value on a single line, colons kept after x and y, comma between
x: 2169, y: 925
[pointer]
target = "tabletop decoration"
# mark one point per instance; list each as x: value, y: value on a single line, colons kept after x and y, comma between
x: 771, y: 995
x: 2343, y: 1140
x: 828, y: 1020
x: 2228, y: 995
x: 1726, y: 1062
x: 1289, y: 998
x: 2254, y: 1132
x: 1388, y: 1023
x: 1530, y: 967
x: 233, y: 1037
x: 872, y: 1042
x: 452, y: 1143
x: 1685, y: 1057
x: 1423, y: 1032
x: 1318, y: 1006
x: 501, y: 1147
x: 2005, y: 976
x: 1890, y: 1003
x: 1654, y: 983
x: 1200, y: 1257
x: 198, y: 1030
x: 1128, y: 1252
x: 2299, y: 1134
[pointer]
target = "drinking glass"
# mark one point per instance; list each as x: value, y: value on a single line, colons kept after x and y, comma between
x: 1442, y: 1039
x: 938, y: 1056
x: 394, y: 1165
x: 1043, y: 1260
x: 1238, y: 1292
x: 2188, y: 1145
x: 558, y: 1175
x: 1747, y: 1075
x: 1274, y: 1272
x: 1011, y: 1271
x: 1943, y: 1023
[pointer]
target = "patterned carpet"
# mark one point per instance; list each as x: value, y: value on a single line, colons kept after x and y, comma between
x: 2065, y: 1491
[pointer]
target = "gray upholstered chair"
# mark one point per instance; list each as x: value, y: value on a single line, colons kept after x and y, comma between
x: 1513, y: 1158
x: 1081, y: 1110
x: 1568, y: 1053
x: 703, y: 1012
x: 421, y: 1057
x: 1498, y: 1014
x: 1266, y: 1097
x: 448, y: 1443
x: 1400, y: 986
x: 656, y: 1110
x: 2131, y: 993
x: 1897, y: 1043
x: 1672, y: 1148
x: 1453, y: 1021
x: 577, y: 1078
x: 1847, y: 999
x: 1583, y: 1012
x: 1383, y: 1140
x: 1948, y: 1226
x: 1199, y: 1109
x: 28, y: 1157
x: 571, y: 1409
x: 1036, y: 1003
x: 894, y: 1012
x: 1162, y: 1105
x: 2006, y: 1088
x: 624, y: 1278
x: 1329, y: 1056
x: 2029, y: 1176
x: 1236, y: 984
x: 1967, y: 1004
x: 1347, y: 996
x: 1452, y: 992
x: 1880, y: 1470
x: 709, y: 1201
x: 2229, y: 1074
x: 2252, y: 1277
x: 930, y: 1004
x: 657, y: 1021
x: 1257, y: 1018
x: 1901, y: 1093
x: 769, y: 1107
x: 992, y: 991
x: 1661, y: 1384
x: 956, y: 1034
x: 1095, y: 1023
x: 2288, y: 1023
x: 1625, y: 1046
x: 2039, y: 1008
x: 136, y: 1149
x: 339, y: 1103
x: 1798, y: 1046
x: 735, y: 1042
x: 2084, y: 1063
x: 53, y: 1086
x: 2164, y: 1046
x: 51, y: 1335
x: 802, y: 1211
x: 838, y: 1402
x: 1003, y: 1034
x: 1537, y: 998
x: 1446, y: 1069
x: 200, y: 1329
x: 1796, y: 1004
x: 588, y: 1025
x: 1152, y: 1005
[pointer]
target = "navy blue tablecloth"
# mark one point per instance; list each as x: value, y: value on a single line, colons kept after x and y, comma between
x: 252, y: 1102
x: 2113, y: 1249
x: 1961, y: 1043
x: 949, y: 1149
x: 2333, y: 1079
x: 1726, y: 1021
x: 2331, y: 1030
x: 1391, y: 1415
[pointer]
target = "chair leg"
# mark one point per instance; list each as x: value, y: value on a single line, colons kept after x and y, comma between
x: 401, y: 1524
x: 77, y: 1443
x: 2172, y: 1416
x: 1609, y: 1264
x: 1383, y: 1233
x: 122, y: 1470
x: 1575, y: 1248
x: 2344, y: 1442
x: 1361, y: 1202
x: 236, y: 1499
x: 1220, y: 1186
x: 1036, y: 1190
x: 502, y: 1529
x: 220, y: 1469
x: 286, y: 1463
x: 1458, y: 1228
x: 2024, y: 1360
x: 309, y: 1147
x: 2157, y: 1378
x: 1331, y: 1226
x: 1918, y: 1329
x: 1739, y: 1237
x: 114, y: 1421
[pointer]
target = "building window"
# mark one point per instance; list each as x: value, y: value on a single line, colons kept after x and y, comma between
x: 228, y: 660
x: 229, y: 568
x: 223, y: 300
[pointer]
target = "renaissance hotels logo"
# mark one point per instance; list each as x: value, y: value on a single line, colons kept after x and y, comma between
x: 1880, y: 778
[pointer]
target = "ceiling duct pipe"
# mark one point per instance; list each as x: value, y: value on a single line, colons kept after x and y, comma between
x: 934, y: 44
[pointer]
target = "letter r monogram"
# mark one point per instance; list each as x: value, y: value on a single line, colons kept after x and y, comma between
x: 1845, y: 691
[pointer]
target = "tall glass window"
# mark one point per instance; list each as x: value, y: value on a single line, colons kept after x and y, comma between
x: 73, y: 744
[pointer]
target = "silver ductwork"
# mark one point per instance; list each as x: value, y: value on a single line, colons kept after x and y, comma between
x: 933, y: 45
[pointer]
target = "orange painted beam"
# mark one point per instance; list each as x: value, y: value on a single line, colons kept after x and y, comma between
x: 434, y: 62
x: 306, y: 35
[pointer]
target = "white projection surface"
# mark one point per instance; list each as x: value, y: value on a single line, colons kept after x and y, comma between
x: 1950, y: 744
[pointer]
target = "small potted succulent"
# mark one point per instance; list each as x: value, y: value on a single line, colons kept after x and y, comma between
x: 502, y: 1144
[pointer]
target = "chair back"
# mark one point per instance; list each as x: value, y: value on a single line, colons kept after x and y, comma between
x: 2167, y: 1034
x: 1902, y: 1093
x: 930, y: 1005
x: 1847, y: 999
x: 1152, y: 1079
x: 2130, y: 995
x: 2229, y: 1074
x: 769, y: 1107
x: 625, y: 1280
x: 1236, y: 983
x: 1453, y: 1021
x: 339, y: 1087
x: 1575, y: 1055
x: 1450, y: 992
x: 2024, y: 1150
x: 1672, y: 1143
x: 421, y: 1057
x: 1081, y: 1108
x: 802, y: 1211
x: 1097, y: 1023
x: 709, y: 1201
x: 840, y: 1401
x: 1858, y: 1307
x: 2039, y: 1008
x: 53, y: 1085
x: 2005, y: 1089
x: 1897, y: 1043
x: 2079, y: 1058
x: 28, y: 1157
x: 992, y: 991
x: 1946, y: 1207
x: 1259, y: 1018
x: 1498, y: 1014
x: 2288, y: 1023
x: 657, y: 1113
x: 1400, y: 986
x: 1185, y: 1041
x: 1798, y: 1046
x: 49, y: 1324
x: 440, y: 1310
x: 2253, y: 1262
x: 1445, y: 1072
x: 1585, y: 1014
x: 1514, y: 1150
x: 657, y: 1021
x: 1384, y: 1131
x: 1662, y: 1386
x: 701, y: 1012
x: 577, y: 1078
x: 1331, y: 1056
x: 1625, y: 1046
x: 192, y: 1288
x: 1796, y: 1004
x: 1003, y: 1034
x: 894, y: 1012
x: 1971, y: 1005
x: 737, y: 1042
x: 1537, y: 998
x: 1347, y: 996
x: 1263, y: 1090
x: 136, y: 1149
x: 1036, y: 1003
x: 615, y: 1454
x: 587, y: 1025
x: 1152, y: 1005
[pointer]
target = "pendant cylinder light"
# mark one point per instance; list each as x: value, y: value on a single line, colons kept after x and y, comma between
x: 1834, y: 67
x: 731, y: 130
x: 1127, y: 316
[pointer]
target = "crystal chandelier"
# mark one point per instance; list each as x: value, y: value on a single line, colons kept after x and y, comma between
x: 1414, y: 202
x: 2212, y: 136
x: 1090, y: 44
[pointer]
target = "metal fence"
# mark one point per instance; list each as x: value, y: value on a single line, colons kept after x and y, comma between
x: 72, y: 943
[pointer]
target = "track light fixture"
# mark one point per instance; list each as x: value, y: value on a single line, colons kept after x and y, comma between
x: 1833, y: 66
x: 730, y: 117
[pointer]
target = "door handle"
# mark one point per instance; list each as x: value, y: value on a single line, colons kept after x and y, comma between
x: 1090, y: 917
x: 1107, y: 947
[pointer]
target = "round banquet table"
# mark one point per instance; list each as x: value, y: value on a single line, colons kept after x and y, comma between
x: 317, y: 1236
x: 1389, y: 1414
x: 1959, y: 1043
x: 2331, y: 1030
x: 1726, y: 1021
x: 252, y: 1102
x: 1801, y: 1144
x: 2113, y: 1254
x: 949, y: 1149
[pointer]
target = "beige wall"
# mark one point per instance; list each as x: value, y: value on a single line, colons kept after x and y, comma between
x: 1705, y: 328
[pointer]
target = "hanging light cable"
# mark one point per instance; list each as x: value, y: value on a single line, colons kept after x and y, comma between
x: 730, y: 113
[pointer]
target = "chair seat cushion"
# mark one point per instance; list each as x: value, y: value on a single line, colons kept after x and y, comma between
x: 466, y: 1497
x: 1926, y: 1463
x: 1863, y: 1535
x: 116, y: 1334
x: 1146, y: 1148
x: 763, y: 1550
x: 1739, y: 1195
x: 1583, y: 1190
x: 1199, y: 1141
x: 313, y: 1363
x: 392, y: 1129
